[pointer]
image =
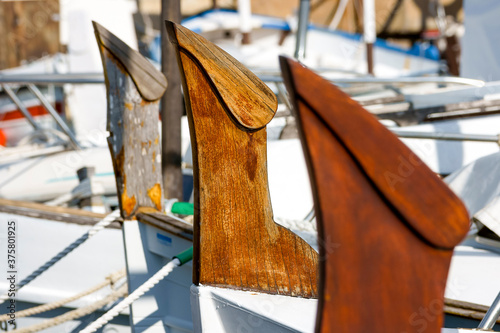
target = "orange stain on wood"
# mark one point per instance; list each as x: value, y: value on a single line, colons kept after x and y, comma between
x: 154, y: 193
x: 128, y: 203
x: 153, y: 159
x: 129, y: 106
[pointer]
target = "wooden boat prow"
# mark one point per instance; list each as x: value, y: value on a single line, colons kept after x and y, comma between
x: 237, y: 244
x: 389, y: 164
x: 249, y: 101
x: 394, y: 240
x: 133, y: 89
x: 150, y: 82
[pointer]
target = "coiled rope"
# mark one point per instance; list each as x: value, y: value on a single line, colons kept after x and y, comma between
x: 110, y: 280
x: 114, y: 216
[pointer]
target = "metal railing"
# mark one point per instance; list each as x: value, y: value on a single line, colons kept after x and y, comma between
x: 96, y: 78
x: 29, y: 80
x: 491, y: 317
x: 446, y: 136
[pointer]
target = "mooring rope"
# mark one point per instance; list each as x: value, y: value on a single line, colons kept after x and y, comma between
x: 150, y: 283
x: 110, y: 280
x: 94, y: 230
x: 75, y: 314
x: 178, y: 260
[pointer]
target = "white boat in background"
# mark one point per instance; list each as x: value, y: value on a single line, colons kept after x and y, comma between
x: 327, y: 50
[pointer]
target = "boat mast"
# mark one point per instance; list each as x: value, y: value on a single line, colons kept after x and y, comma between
x: 369, y: 31
x: 171, y: 107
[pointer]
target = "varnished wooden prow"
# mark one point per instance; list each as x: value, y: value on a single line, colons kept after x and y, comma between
x: 393, y: 221
x: 236, y: 242
x: 133, y: 88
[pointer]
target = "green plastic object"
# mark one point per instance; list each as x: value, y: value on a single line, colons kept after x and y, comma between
x: 183, y: 208
x: 185, y: 256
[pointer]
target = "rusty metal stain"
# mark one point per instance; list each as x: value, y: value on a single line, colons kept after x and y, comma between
x: 156, y: 140
x: 154, y: 194
x: 129, y: 106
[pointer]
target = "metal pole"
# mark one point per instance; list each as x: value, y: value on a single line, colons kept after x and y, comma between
x: 300, y: 46
x: 245, y: 13
x: 446, y: 136
x: 20, y: 105
x: 388, y: 81
x: 34, y: 89
x: 172, y: 107
x: 59, y: 79
x: 491, y: 317
x: 369, y: 31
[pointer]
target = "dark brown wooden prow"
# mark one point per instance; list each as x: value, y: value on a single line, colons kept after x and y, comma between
x: 394, y: 223
x: 236, y: 242
x: 134, y: 88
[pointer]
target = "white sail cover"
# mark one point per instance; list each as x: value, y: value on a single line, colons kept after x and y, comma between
x: 478, y: 185
x: 481, y: 42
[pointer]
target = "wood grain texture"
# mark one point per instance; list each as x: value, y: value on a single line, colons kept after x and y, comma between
x: 168, y: 224
x: 236, y: 242
x: 29, y: 30
x: 246, y: 97
x: 134, y: 139
x: 150, y: 82
x: 387, y: 245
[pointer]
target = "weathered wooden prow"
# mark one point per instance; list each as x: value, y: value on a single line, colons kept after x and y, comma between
x: 134, y: 88
x: 236, y: 242
x: 394, y: 223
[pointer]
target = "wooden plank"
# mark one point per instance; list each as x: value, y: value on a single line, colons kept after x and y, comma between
x: 134, y: 139
x: 168, y: 224
x: 387, y: 242
x: 54, y: 213
x: 236, y: 242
